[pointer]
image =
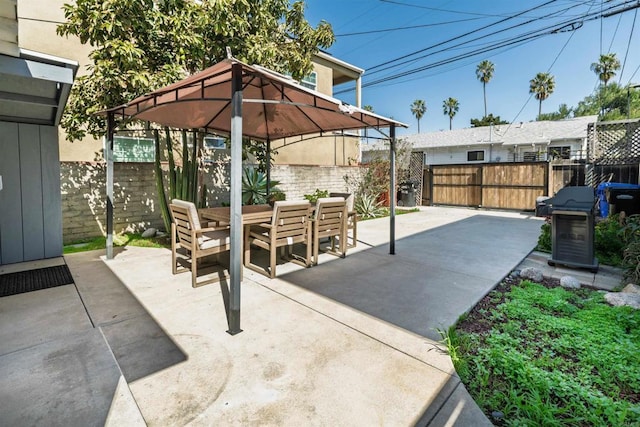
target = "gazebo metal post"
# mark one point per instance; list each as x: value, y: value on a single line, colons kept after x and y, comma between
x: 392, y: 190
x: 235, y: 261
x: 108, y: 154
x: 268, y: 166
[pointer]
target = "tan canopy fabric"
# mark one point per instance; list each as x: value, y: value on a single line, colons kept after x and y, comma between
x: 274, y: 106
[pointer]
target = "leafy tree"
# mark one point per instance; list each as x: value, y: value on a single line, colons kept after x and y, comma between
x: 418, y: 108
x: 487, y: 121
x: 484, y: 73
x: 563, y: 112
x: 368, y: 108
x: 450, y: 107
x: 141, y: 45
x: 542, y: 86
x: 610, y: 102
x: 606, y: 67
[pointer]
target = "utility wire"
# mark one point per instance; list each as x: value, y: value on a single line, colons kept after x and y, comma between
x: 463, y: 43
x: 410, y: 27
x: 635, y: 15
x: 455, y: 38
x: 568, y: 25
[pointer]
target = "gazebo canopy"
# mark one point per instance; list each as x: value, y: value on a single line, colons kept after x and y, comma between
x: 239, y: 100
x: 274, y: 106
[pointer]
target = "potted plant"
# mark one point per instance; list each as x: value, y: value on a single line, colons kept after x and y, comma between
x: 275, y: 196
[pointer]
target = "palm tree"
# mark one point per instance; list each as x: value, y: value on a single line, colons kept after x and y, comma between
x: 606, y: 67
x: 542, y: 86
x: 450, y: 107
x: 484, y: 73
x: 418, y: 108
x: 368, y: 108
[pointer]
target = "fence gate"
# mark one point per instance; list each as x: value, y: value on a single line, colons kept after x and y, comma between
x: 489, y: 185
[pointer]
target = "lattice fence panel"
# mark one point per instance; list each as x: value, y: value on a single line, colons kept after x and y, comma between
x: 614, y: 143
x: 614, y: 152
x: 416, y: 168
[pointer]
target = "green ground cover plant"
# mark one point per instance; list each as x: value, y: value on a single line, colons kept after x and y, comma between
x: 535, y: 354
x: 128, y: 239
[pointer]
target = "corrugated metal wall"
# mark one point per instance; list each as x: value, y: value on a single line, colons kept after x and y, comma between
x: 30, y: 205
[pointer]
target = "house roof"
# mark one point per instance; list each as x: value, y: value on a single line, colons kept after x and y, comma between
x: 34, y: 87
x: 342, y: 71
x: 542, y: 132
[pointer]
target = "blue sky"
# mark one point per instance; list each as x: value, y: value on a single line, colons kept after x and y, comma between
x: 567, y: 54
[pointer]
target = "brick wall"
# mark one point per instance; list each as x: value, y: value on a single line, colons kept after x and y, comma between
x: 135, y: 197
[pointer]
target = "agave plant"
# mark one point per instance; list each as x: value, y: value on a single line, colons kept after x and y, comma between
x: 254, y: 186
x: 367, y: 207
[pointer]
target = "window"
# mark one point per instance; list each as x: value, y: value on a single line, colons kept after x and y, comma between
x: 132, y: 149
x: 474, y: 156
x: 214, y: 143
x: 563, y: 152
x: 310, y: 81
x: 530, y: 156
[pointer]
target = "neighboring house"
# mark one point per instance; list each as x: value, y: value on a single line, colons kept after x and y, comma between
x: 516, y: 142
x: 34, y: 86
x: 502, y: 167
x: 336, y: 149
x: 38, y: 20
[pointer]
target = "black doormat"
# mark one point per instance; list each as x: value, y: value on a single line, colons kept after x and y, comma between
x: 34, y: 280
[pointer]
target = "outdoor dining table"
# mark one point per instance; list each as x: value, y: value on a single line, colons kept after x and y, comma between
x: 251, y: 214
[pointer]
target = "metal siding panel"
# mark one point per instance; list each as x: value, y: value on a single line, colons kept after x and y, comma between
x: 11, y: 246
x: 31, y: 177
x: 51, y: 198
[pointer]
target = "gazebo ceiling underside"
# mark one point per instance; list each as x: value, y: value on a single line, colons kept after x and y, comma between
x: 273, y: 106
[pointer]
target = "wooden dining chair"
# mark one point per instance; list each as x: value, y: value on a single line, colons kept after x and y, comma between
x: 352, y: 218
x: 289, y: 225
x: 190, y: 242
x: 330, y: 220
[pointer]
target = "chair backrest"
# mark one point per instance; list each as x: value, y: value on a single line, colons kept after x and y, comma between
x: 185, y: 217
x: 349, y: 197
x: 291, y: 219
x: 331, y: 213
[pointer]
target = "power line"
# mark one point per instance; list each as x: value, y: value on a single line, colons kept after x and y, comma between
x: 465, y: 42
x: 520, y: 39
x: 456, y: 38
x: 635, y: 15
x: 410, y: 27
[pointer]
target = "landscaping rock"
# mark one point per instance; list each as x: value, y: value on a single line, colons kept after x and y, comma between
x: 617, y: 299
x: 569, y: 282
x: 631, y: 289
x: 160, y: 233
x: 149, y: 232
x: 532, y: 274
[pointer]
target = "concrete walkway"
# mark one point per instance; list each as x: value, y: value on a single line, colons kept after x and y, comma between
x: 348, y: 342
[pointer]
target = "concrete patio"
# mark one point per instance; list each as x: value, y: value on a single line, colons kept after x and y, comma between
x: 348, y: 342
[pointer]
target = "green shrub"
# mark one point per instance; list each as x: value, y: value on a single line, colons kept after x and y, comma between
x: 544, y: 241
x: 318, y: 194
x: 609, y: 243
x: 367, y: 207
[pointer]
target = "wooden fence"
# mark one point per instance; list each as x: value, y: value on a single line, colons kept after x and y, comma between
x: 489, y: 185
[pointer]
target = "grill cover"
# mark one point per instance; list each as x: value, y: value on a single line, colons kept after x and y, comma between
x: 573, y: 199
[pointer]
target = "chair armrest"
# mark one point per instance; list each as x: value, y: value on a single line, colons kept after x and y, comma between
x: 204, y: 230
x: 263, y: 225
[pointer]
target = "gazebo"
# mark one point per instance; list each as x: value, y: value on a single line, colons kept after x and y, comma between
x: 239, y: 100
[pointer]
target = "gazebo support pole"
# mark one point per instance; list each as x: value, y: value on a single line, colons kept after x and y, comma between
x: 392, y: 190
x: 108, y: 154
x: 268, y: 166
x: 235, y: 262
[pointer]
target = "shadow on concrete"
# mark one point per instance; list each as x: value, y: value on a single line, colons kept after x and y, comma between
x: 140, y: 345
x: 435, y: 276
